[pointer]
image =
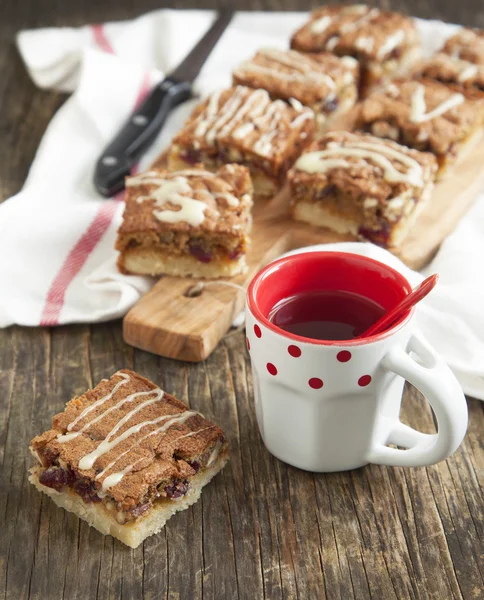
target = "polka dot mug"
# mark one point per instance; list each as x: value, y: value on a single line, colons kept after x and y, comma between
x: 334, y: 405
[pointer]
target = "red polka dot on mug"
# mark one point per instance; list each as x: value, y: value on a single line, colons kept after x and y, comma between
x: 315, y: 383
x: 248, y: 343
x: 364, y: 380
x: 257, y: 331
x: 294, y: 351
x: 344, y: 356
x: 271, y: 368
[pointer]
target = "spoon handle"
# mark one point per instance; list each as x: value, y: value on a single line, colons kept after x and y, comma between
x: 402, y: 307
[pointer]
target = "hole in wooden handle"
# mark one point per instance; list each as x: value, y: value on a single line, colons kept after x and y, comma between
x: 195, y: 290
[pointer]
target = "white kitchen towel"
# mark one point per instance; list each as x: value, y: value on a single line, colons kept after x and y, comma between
x: 57, y: 235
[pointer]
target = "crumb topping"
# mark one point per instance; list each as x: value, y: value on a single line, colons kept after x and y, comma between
x: 192, y: 199
x: 357, y: 30
x: 466, y: 44
x: 364, y: 167
x: 247, y: 119
x: 290, y: 74
x: 450, y: 69
x: 423, y: 114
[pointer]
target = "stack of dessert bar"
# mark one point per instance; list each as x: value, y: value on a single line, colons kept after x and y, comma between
x: 411, y: 119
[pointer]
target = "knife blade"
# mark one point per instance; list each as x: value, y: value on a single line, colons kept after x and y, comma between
x: 142, y: 127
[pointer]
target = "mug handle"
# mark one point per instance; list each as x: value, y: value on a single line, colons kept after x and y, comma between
x: 429, y: 374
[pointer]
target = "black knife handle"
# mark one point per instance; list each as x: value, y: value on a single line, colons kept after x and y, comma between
x: 137, y: 134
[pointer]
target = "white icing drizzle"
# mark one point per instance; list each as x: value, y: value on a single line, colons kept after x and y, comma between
x: 324, y: 160
x: 246, y: 109
x: 332, y: 42
x: 243, y: 130
x: 172, y: 420
x: 308, y: 114
x: 297, y: 106
x: 213, y: 455
x: 191, y: 211
x: 216, y: 121
x: 210, y: 113
x: 87, y: 461
x: 391, y: 43
x: 418, y: 105
x: 70, y: 436
x: 311, y: 163
x: 303, y: 68
x: 369, y: 16
x: 229, y: 198
x: 115, y: 478
x: 321, y: 24
x: 66, y: 437
x: 263, y: 145
x: 365, y: 43
x: 469, y: 71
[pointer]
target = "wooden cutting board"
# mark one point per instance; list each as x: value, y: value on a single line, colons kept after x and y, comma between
x: 170, y: 322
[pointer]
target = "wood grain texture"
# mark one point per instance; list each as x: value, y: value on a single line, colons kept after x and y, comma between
x: 262, y: 529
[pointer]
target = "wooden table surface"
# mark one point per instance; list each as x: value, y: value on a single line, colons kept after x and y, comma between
x: 262, y: 529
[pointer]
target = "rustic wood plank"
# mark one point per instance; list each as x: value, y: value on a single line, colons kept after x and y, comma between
x: 262, y: 529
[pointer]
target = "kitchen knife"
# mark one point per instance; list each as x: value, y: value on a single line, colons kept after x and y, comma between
x: 144, y: 124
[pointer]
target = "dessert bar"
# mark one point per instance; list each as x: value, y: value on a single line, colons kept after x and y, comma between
x: 386, y: 44
x: 243, y: 125
x: 425, y: 115
x: 359, y: 184
x: 186, y: 223
x: 461, y: 74
x: 466, y: 44
x: 326, y: 83
x: 126, y: 456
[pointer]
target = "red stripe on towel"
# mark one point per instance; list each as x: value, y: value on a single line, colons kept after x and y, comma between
x: 79, y: 254
x: 74, y: 262
x: 101, y: 39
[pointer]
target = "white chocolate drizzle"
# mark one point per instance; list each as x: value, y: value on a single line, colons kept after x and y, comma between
x: 229, y: 198
x: 245, y: 112
x: 418, y: 106
x: 115, y: 478
x: 392, y: 42
x: 468, y: 72
x: 303, y: 67
x: 321, y: 24
x: 173, y: 419
x: 69, y: 436
x: 365, y: 43
x: 368, y: 16
x: 178, y: 191
x: 333, y: 157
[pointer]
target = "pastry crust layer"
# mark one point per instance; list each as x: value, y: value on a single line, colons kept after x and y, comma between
x: 154, y: 261
x: 135, y: 532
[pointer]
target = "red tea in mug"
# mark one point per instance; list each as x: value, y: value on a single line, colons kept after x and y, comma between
x: 326, y: 314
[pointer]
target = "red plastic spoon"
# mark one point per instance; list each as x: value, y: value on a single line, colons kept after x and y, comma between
x: 402, y: 307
